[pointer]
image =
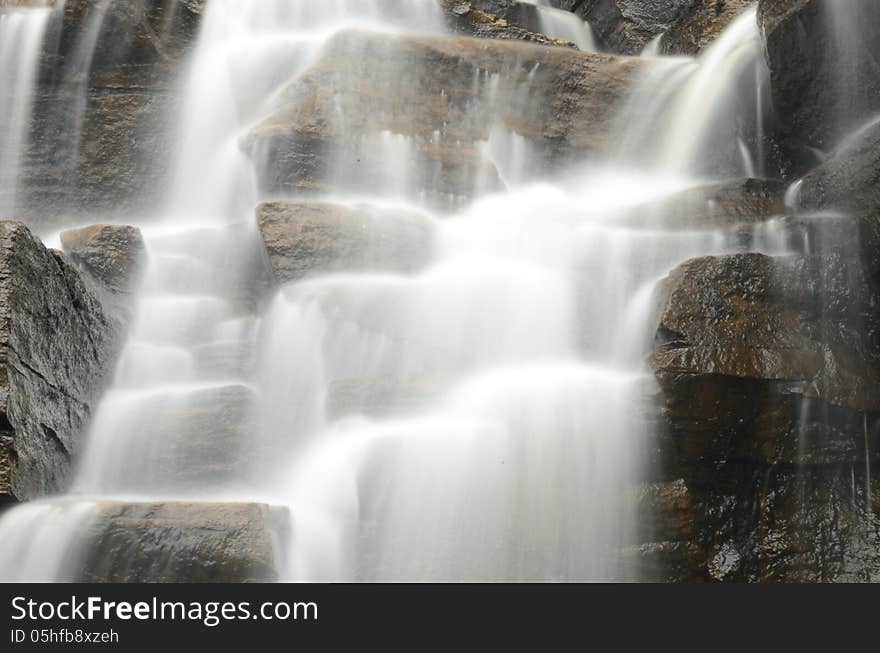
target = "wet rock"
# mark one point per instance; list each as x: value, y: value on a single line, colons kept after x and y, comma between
x: 377, y: 397
x: 497, y: 19
x: 187, y: 440
x: 626, y: 26
x: 700, y: 24
x: 849, y: 182
x: 99, y: 142
x: 304, y: 239
x: 768, y: 373
x: 776, y: 319
x: 58, y: 345
x: 112, y: 254
x: 716, y: 205
x: 435, y: 114
x: 818, y: 93
x: 140, y: 44
x: 184, y: 543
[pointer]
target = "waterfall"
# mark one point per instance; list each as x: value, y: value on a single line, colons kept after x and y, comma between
x: 564, y: 25
x: 21, y: 40
x: 508, y: 435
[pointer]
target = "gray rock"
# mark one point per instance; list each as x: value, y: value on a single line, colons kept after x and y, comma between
x: 184, y: 543
x: 99, y: 143
x: 716, y: 205
x: 849, y: 182
x: 186, y: 440
x: 626, y: 26
x: 821, y: 87
x: 700, y: 23
x: 57, y: 345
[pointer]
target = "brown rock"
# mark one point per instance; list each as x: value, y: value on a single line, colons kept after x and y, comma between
x: 183, y: 542
x: 304, y: 239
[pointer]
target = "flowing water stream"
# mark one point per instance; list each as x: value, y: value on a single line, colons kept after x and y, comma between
x: 506, y: 427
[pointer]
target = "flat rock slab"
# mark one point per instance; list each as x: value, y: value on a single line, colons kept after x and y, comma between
x: 184, y: 543
x: 433, y: 102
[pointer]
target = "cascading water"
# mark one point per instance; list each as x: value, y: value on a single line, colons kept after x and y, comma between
x: 506, y: 436
x: 564, y: 25
x: 21, y: 40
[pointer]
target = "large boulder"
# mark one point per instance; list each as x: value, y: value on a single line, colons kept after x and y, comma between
x: 305, y: 239
x: 183, y: 543
x: 57, y: 346
x: 752, y: 316
x: 358, y: 107
x: 768, y: 370
x: 825, y: 79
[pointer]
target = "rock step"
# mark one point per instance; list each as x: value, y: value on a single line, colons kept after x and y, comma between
x: 184, y: 542
x: 182, y: 439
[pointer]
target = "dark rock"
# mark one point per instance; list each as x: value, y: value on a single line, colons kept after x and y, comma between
x: 99, y: 141
x: 184, y: 543
x: 497, y: 19
x: 823, y: 83
x: 849, y: 182
x: 775, y: 319
x: 700, y: 24
x: 626, y: 26
x: 441, y: 104
x: 716, y: 205
x: 304, y: 239
x: 58, y: 345
x: 768, y: 370
x: 112, y: 254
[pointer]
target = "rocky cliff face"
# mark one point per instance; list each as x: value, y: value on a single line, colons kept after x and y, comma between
x: 99, y: 143
x: 824, y: 74
x: 57, y: 344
